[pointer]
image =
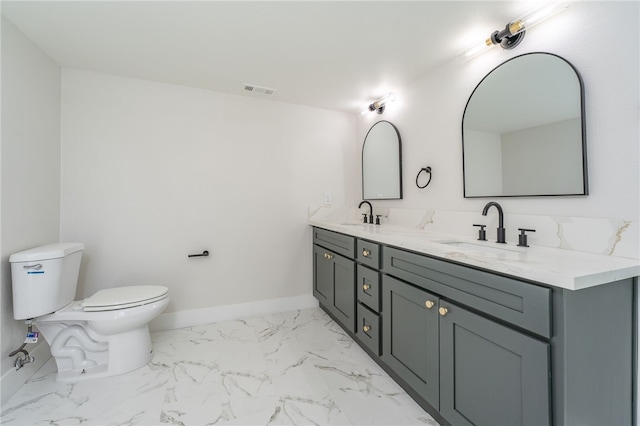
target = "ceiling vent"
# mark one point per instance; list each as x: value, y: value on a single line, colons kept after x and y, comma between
x: 259, y: 89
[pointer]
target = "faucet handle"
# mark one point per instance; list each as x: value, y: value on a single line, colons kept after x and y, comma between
x: 378, y: 219
x: 482, y: 233
x: 364, y: 218
x: 522, y: 238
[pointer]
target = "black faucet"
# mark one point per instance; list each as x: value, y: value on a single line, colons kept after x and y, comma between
x: 370, y: 212
x: 501, y: 231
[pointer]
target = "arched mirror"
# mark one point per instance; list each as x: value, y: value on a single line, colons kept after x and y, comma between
x: 382, y: 163
x: 523, y: 130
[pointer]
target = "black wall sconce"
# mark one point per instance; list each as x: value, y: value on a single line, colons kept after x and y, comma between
x: 510, y: 36
x: 379, y: 105
x: 514, y: 31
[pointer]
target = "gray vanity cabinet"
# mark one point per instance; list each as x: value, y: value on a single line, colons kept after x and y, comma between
x: 474, y: 347
x: 410, y: 336
x: 473, y: 370
x: 334, y: 275
x: 491, y: 374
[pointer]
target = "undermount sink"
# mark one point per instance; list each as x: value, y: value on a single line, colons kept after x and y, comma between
x: 483, y: 248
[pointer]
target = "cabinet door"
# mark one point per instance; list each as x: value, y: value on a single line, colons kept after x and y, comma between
x: 334, y: 285
x: 344, y: 291
x: 491, y: 374
x: 410, y: 336
x: 322, y: 276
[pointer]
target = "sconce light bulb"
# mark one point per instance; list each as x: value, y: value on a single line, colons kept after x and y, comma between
x: 534, y: 17
x: 475, y: 50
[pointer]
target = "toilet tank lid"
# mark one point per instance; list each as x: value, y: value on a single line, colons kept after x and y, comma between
x: 50, y: 251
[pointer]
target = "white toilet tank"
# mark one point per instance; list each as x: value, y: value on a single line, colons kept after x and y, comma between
x: 44, y: 279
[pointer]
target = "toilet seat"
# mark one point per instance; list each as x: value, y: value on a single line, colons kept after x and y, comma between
x: 124, y: 297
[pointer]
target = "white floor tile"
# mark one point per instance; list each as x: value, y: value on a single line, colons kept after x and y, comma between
x: 291, y: 368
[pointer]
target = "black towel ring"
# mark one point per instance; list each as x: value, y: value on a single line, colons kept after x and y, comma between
x: 426, y: 170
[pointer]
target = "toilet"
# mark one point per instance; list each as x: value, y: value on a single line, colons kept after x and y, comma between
x: 103, y: 335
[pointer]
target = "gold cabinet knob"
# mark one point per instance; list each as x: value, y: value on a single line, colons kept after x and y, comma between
x: 429, y: 304
x: 328, y: 256
x: 366, y: 253
x: 366, y: 287
x: 366, y: 328
x: 443, y: 311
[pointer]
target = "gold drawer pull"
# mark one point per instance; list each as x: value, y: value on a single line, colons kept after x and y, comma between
x: 443, y: 311
x: 366, y: 253
x: 328, y: 256
x: 366, y: 328
x: 429, y: 304
x: 366, y: 287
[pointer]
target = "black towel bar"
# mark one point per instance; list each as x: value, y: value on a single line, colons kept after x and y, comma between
x: 204, y: 253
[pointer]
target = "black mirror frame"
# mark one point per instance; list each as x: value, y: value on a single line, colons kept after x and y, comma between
x: 585, y: 181
x: 399, y: 161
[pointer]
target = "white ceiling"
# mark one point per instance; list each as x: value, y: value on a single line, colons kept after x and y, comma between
x: 337, y: 55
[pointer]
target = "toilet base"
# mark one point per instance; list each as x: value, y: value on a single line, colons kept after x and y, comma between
x: 89, y: 345
x: 127, y: 351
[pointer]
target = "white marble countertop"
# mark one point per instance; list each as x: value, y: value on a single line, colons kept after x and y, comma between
x: 571, y: 270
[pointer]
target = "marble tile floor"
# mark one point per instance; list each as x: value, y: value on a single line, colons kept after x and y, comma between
x: 291, y: 368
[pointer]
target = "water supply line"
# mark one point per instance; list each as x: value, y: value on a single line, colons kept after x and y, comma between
x: 25, y: 358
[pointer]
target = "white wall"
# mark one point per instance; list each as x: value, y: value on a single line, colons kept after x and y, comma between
x: 428, y: 115
x: 153, y: 172
x: 30, y: 156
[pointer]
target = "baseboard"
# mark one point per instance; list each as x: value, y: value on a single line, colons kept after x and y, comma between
x: 13, y: 379
x: 190, y: 318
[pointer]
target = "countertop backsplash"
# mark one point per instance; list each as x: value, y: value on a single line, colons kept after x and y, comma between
x: 604, y: 236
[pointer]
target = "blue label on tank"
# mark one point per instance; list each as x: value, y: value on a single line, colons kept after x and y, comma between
x: 34, y: 272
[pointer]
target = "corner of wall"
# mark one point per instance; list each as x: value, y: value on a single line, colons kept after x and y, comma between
x: 30, y: 163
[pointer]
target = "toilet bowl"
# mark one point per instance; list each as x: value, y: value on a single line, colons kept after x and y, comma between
x: 87, y: 342
x: 103, y: 335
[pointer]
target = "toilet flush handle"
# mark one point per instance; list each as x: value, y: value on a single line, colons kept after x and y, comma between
x: 36, y: 266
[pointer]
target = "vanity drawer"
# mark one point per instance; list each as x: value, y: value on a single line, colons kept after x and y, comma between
x: 368, y: 330
x: 523, y: 304
x: 334, y: 241
x: 368, y: 287
x: 368, y: 253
